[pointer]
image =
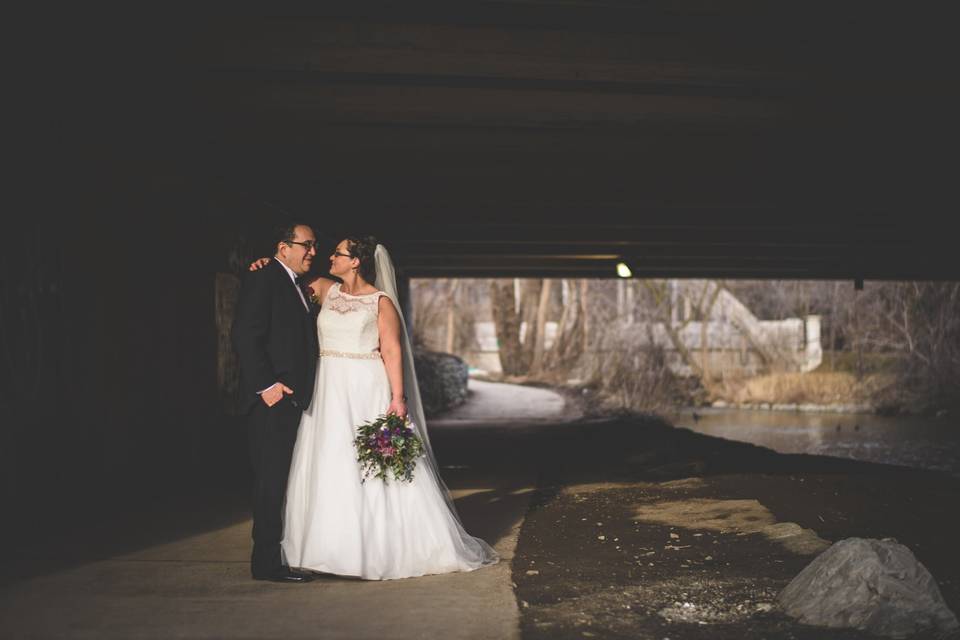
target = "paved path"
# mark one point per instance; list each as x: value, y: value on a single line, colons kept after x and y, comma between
x: 199, y: 587
x: 190, y: 580
x: 495, y: 401
x: 179, y: 571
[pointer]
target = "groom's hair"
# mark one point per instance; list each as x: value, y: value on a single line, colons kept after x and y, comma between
x: 286, y: 232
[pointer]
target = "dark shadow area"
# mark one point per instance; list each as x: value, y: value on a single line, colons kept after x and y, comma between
x: 580, y: 575
x: 153, y: 151
x: 97, y: 530
x: 470, y: 454
x: 193, y: 500
x: 636, y: 448
x: 634, y: 459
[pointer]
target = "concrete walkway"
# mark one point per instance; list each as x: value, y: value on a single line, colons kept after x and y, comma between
x: 496, y: 401
x: 179, y: 571
x: 632, y: 516
x: 199, y: 587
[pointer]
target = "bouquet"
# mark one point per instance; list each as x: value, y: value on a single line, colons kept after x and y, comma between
x: 388, y: 444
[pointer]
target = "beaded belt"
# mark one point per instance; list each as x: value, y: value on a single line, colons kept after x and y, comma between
x: 368, y: 355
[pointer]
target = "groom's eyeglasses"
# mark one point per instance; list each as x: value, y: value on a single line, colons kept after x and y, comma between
x: 309, y: 244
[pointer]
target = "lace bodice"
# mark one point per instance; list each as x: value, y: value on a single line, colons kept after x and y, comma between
x: 348, y: 323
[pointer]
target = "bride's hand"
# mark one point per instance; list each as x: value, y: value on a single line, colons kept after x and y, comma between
x: 398, y: 407
x: 259, y: 264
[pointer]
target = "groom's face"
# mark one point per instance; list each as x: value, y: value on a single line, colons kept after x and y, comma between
x: 297, y: 256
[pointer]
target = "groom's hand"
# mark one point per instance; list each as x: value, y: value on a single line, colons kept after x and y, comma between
x: 274, y: 394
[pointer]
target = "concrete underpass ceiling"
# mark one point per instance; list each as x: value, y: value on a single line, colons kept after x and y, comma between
x: 691, y: 138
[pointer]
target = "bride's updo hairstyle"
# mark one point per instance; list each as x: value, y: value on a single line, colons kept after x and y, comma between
x: 363, y: 249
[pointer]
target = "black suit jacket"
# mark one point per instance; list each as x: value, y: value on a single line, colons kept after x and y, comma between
x: 275, y: 337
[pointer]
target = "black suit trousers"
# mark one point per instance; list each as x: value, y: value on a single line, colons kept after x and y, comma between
x: 272, y: 434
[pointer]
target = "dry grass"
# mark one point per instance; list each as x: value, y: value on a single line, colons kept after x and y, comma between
x: 831, y: 387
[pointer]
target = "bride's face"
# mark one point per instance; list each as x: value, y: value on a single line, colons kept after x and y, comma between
x: 341, y: 262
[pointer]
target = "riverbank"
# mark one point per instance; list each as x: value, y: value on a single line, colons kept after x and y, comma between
x: 671, y: 533
x: 792, y: 406
x: 906, y: 440
x: 826, y: 391
x: 883, y: 409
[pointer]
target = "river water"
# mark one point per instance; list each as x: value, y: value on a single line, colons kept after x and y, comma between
x: 913, y: 441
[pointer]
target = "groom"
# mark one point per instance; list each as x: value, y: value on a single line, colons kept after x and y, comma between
x: 276, y: 341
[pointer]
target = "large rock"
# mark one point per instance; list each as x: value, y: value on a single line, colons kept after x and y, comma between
x: 443, y: 380
x: 876, y: 586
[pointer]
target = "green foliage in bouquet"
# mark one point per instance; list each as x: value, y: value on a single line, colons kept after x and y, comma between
x: 388, y: 444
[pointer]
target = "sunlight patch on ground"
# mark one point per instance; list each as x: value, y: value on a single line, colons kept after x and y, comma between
x: 590, y: 487
x: 742, y: 517
x: 685, y: 483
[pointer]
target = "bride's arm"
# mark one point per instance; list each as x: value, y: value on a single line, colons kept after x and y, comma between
x: 388, y: 321
x: 320, y: 286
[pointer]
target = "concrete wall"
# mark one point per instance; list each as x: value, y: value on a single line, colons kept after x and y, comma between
x: 110, y: 350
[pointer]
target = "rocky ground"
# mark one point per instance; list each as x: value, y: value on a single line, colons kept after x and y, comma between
x: 677, y: 535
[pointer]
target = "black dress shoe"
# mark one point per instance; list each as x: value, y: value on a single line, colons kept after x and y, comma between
x: 284, y: 575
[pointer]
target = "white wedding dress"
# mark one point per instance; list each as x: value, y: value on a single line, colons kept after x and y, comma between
x: 334, y: 523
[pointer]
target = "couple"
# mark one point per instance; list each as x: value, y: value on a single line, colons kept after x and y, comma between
x: 308, y: 380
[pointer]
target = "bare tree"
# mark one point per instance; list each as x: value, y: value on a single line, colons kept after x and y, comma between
x: 451, y: 329
x: 920, y: 321
x: 665, y: 300
x: 629, y: 373
x: 910, y: 329
x: 832, y: 315
x: 506, y: 318
x: 540, y: 327
x: 429, y: 299
x: 705, y: 304
x: 529, y: 294
x: 569, y: 343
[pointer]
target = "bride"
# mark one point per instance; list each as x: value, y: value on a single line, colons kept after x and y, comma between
x: 336, y: 521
